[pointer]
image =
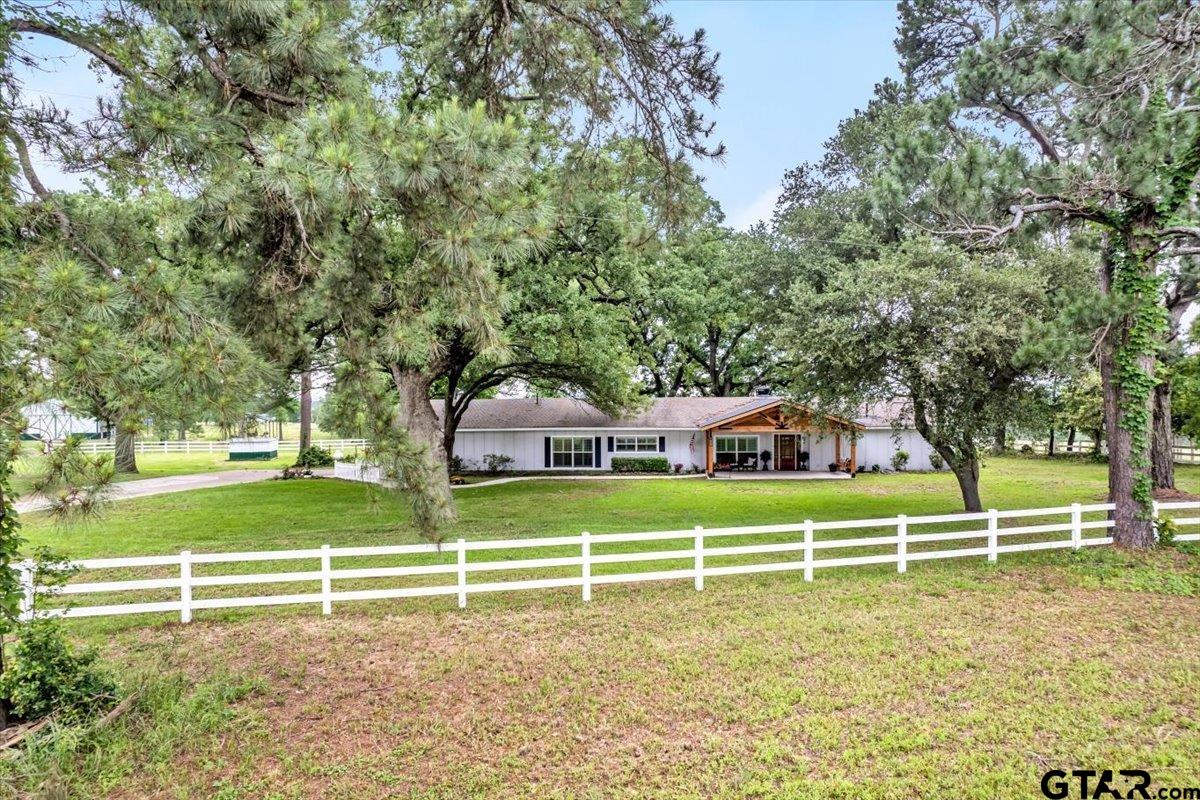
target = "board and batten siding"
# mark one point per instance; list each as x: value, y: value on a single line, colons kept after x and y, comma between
x: 528, y: 448
x: 878, y: 445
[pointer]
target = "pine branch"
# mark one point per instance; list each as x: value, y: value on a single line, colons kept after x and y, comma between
x: 91, y: 48
x: 1039, y: 204
x: 47, y: 197
x: 1008, y: 111
x: 233, y: 87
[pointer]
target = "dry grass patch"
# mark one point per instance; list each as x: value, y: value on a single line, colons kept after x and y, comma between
x: 963, y: 683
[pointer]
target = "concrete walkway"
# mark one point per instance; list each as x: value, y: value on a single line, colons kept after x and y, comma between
x: 772, y: 475
x: 597, y: 477
x: 175, y: 483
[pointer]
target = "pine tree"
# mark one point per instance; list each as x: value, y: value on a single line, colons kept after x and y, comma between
x: 1101, y: 98
x: 365, y: 206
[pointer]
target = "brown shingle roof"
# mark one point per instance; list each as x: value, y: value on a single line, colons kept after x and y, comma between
x: 514, y: 413
x: 883, y: 415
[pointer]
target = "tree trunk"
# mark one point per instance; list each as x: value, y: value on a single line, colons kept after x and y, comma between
x: 1097, y: 442
x: 1050, y: 446
x: 1132, y: 523
x: 449, y: 430
x: 999, y: 436
x: 959, y: 454
x: 967, y: 473
x: 448, y: 442
x: 305, y: 409
x: 1163, y: 441
x: 4, y: 512
x: 427, y: 476
x: 124, y: 453
x: 1071, y: 439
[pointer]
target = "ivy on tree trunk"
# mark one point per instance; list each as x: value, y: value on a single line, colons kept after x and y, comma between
x: 1127, y: 367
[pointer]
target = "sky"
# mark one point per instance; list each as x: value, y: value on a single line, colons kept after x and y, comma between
x: 792, y: 70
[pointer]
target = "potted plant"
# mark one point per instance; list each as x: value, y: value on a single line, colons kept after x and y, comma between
x: 766, y: 459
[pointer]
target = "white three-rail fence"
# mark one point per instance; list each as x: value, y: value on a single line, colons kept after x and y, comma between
x: 204, y: 446
x: 697, y: 553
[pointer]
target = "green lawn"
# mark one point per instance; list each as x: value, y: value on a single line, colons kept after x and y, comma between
x: 958, y: 679
x: 292, y: 514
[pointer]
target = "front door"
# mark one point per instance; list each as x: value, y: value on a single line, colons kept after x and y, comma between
x: 785, y: 452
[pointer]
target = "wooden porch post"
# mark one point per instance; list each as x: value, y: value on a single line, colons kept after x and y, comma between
x: 708, y: 453
x: 853, y: 455
x: 837, y: 449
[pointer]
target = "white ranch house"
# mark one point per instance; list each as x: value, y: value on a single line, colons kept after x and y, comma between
x: 713, y: 434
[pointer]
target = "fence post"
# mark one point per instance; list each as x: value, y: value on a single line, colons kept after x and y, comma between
x: 185, y: 586
x: 462, y: 573
x: 993, y: 536
x: 1076, y: 526
x: 808, y: 549
x: 27, y: 590
x: 326, y: 581
x: 586, y: 551
x: 901, y: 543
x: 699, y: 558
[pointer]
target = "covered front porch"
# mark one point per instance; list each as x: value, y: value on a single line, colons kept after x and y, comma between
x: 775, y: 438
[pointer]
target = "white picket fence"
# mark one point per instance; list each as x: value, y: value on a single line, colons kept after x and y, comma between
x: 353, y: 471
x: 202, y: 446
x: 699, y: 547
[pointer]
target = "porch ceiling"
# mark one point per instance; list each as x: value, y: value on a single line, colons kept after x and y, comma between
x: 779, y: 417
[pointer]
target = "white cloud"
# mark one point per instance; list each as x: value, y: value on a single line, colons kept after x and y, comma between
x: 760, y: 210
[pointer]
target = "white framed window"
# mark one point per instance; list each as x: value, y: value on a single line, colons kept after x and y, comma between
x: 572, y: 451
x: 635, y: 444
x: 734, y: 446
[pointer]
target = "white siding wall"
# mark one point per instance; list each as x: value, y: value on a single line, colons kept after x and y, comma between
x: 528, y: 447
x: 820, y: 450
x: 878, y: 446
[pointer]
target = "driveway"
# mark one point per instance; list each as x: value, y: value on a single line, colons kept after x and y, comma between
x: 174, y: 483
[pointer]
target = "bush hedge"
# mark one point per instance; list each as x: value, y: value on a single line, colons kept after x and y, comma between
x: 45, y: 675
x: 314, y: 457
x: 640, y: 464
